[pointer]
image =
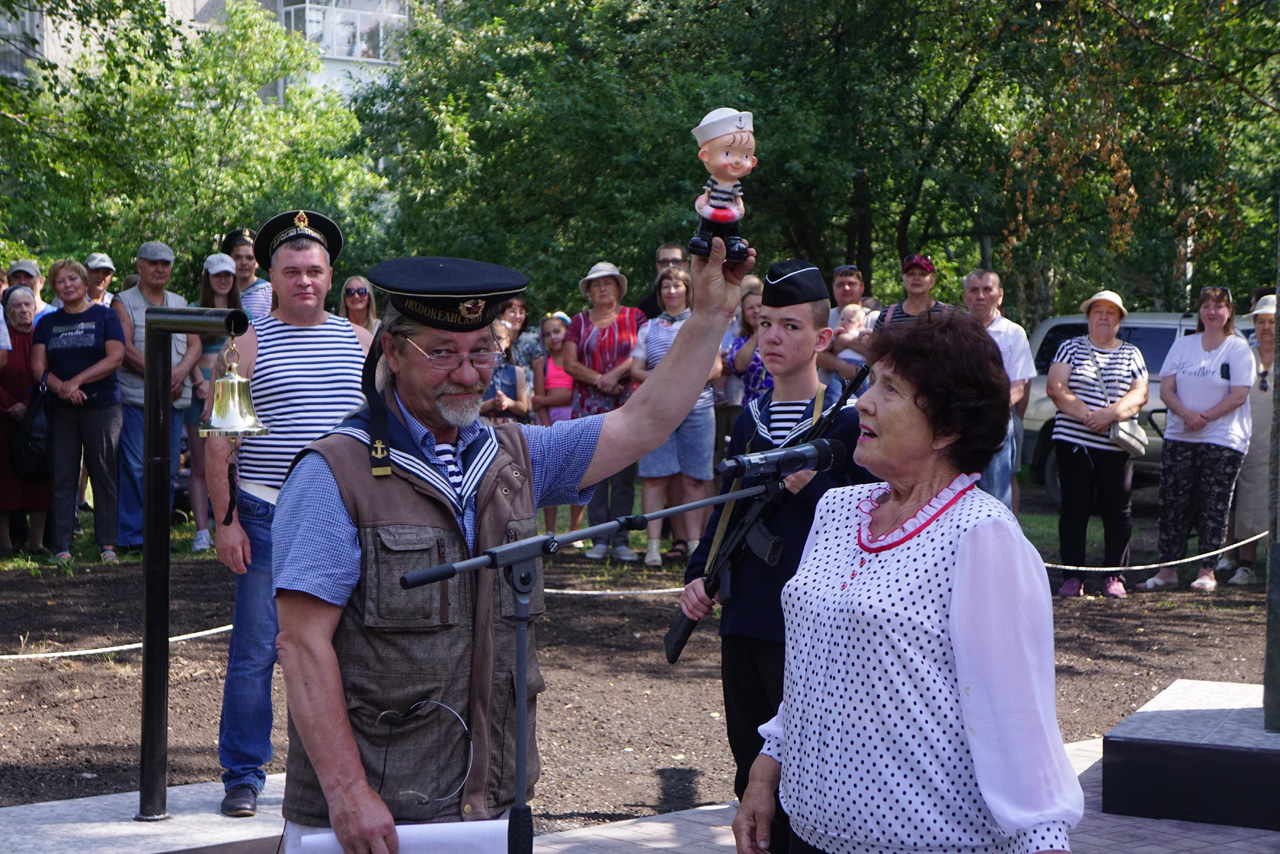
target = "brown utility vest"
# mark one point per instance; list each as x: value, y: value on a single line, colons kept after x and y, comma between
x: 408, y: 657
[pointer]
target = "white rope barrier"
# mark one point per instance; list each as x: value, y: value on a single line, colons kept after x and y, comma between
x: 222, y: 629
x: 106, y: 649
x: 1116, y: 570
x: 1111, y: 570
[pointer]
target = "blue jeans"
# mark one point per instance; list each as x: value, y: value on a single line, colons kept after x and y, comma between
x: 244, y: 735
x: 133, y: 426
x: 997, y: 478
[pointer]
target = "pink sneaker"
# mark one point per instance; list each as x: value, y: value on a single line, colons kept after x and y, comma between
x: 1114, y: 587
x: 1071, y: 587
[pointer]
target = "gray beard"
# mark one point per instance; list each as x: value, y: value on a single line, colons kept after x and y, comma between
x: 458, y: 413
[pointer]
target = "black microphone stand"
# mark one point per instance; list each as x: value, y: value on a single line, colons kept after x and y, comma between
x: 518, y: 562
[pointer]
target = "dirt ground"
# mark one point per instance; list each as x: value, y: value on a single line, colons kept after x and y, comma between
x: 622, y: 733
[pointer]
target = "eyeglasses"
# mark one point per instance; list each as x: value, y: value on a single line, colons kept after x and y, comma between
x: 357, y: 292
x: 1219, y: 293
x: 443, y: 361
x: 1262, y: 379
x: 670, y: 262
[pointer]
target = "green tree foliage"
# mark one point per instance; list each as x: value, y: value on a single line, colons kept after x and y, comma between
x: 182, y: 151
x: 1072, y: 145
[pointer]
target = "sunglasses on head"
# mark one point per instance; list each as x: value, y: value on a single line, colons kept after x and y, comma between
x: 357, y: 292
x: 1219, y: 293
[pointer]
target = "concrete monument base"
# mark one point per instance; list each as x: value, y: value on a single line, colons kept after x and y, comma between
x: 1197, y: 752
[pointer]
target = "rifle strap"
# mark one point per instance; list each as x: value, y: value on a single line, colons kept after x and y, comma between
x: 720, y: 528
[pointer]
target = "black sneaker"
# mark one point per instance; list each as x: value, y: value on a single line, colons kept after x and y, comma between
x: 241, y: 802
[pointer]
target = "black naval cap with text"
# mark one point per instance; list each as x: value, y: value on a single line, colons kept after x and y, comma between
x: 793, y: 282
x: 287, y: 226
x: 447, y: 293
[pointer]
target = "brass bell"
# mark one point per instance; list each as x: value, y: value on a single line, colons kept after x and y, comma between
x: 232, y: 414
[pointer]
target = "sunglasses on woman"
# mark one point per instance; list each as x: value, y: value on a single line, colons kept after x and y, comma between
x: 357, y: 292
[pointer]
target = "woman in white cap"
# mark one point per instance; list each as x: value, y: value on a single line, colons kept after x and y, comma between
x: 1249, y: 509
x: 217, y: 290
x: 597, y: 354
x: 1205, y: 384
x: 1095, y: 380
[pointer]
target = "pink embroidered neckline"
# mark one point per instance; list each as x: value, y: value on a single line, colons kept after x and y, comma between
x: 924, y: 517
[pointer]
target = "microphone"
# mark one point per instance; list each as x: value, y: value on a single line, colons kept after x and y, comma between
x: 818, y: 455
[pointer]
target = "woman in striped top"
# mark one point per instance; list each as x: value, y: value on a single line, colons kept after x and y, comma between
x: 1091, y: 469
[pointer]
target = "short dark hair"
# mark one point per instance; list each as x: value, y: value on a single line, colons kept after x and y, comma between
x: 851, y: 270
x: 684, y: 253
x: 1260, y: 292
x: 961, y: 384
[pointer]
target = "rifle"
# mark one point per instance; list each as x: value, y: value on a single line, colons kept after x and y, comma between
x: 751, y: 530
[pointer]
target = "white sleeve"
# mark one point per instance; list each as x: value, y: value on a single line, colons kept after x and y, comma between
x: 638, y: 351
x: 1174, y: 357
x: 1005, y: 671
x: 1023, y: 366
x: 5, y: 344
x: 1241, y: 359
x: 774, y: 730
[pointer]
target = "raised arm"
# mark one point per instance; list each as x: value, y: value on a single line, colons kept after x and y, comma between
x: 662, y: 402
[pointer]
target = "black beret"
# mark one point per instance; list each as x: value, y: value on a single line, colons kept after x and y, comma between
x: 447, y: 293
x: 793, y: 282
x: 289, y: 225
x: 236, y: 237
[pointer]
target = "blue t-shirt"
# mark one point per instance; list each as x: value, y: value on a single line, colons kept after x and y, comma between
x: 74, y: 342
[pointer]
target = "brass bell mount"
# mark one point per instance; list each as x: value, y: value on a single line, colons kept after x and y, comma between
x: 232, y: 415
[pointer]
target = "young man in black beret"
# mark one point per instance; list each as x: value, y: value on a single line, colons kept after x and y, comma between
x: 401, y: 701
x: 793, y: 331
x: 255, y: 293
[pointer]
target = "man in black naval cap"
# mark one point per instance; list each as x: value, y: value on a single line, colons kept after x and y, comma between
x: 793, y: 331
x: 400, y: 701
x: 304, y: 366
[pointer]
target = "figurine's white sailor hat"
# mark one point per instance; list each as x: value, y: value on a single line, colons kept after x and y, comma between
x: 719, y: 122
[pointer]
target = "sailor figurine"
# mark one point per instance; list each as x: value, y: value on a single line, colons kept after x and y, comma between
x: 727, y: 147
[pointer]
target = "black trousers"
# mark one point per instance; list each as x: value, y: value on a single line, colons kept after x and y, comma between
x: 1092, y: 477
x: 751, y: 673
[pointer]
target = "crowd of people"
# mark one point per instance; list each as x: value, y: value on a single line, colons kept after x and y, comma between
x: 88, y: 359
x: 439, y: 426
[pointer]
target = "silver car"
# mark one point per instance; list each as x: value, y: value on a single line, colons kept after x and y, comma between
x: 1151, y: 332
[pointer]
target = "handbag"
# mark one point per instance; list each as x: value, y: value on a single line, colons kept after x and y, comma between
x: 1127, y: 435
x: 29, y: 443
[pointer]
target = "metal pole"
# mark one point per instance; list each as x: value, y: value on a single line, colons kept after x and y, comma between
x: 1271, y: 661
x: 161, y: 323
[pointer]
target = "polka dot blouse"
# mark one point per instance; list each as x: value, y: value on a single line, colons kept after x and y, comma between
x: 918, y: 707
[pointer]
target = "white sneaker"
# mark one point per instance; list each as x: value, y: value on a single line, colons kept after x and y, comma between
x: 653, y: 555
x: 1244, y: 576
x: 202, y: 542
x: 1225, y: 564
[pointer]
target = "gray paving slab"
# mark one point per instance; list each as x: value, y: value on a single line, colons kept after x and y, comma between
x: 104, y: 825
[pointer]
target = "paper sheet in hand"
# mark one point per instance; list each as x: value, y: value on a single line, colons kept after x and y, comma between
x: 457, y: 837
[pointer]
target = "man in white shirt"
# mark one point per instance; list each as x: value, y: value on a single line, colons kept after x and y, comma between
x: 983, y: 297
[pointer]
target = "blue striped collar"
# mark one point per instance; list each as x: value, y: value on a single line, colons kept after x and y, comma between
x: 413, y: 449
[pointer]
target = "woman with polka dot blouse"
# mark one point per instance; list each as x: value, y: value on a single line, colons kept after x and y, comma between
x: 918, y: 705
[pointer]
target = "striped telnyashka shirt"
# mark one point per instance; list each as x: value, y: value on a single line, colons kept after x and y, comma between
x: 1120, y: 367
x: 305, y: 379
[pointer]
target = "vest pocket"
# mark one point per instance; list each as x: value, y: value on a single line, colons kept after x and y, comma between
x: 502, y: 765
x: 393, y: 551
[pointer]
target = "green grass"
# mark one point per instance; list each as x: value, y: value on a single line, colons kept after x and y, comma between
x: 85, y: 554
